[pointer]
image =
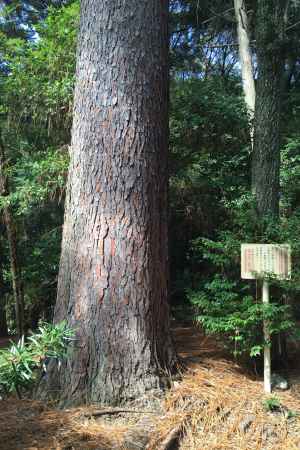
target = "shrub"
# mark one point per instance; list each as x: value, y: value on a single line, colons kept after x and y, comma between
x: 224, y: 310
x: 22, y: 362
x: 231, y: 308
x: 272, y: 404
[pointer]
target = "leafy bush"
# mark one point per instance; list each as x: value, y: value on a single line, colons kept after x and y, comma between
x: 231, y: 308
x: 22, y: 362
x: 272, y: 404
x: 225, y: 310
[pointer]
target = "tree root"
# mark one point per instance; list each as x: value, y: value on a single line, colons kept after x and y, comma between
x: 173, y: 438
x: 104, y: 412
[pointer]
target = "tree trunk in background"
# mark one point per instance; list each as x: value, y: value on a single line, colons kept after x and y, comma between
x: 245, y: 60
x: 12, y: 243
x: 270, y: 44
x: 3, y: 322
x: 113, y: 277
x: 270, y: 33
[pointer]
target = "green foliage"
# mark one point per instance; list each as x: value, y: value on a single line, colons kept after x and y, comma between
x: 39, y: 91
x: 231, y: 308
x: 36, y: 82
x: 272, y: 404
x: 290, y: 174
x: 36, y: 108
x: 208, y: 164
x: 22, y: 362
x: 37, y: 179
x: 207, y: 127
x: 228, y: 312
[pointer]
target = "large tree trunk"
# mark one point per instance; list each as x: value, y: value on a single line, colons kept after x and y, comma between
x: 270, y: 25
x: 113, y: 277
x: 12, y: 243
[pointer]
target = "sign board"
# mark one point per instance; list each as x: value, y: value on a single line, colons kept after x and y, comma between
x: 259, y: 260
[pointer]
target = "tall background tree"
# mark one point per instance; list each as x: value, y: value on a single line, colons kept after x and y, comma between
x: 271, y: 23
x: 245, y: 58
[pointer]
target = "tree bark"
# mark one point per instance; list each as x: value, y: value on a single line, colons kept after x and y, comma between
x: 245, y: 59
x: 3, y: 322
x: 12, y: 243
x: 270, y: 43
x: 113, y: 277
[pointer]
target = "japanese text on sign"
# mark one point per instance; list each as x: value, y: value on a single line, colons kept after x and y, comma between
x: 259, y: 260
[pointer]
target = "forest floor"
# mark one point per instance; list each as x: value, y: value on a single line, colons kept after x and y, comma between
x: 217, y: 405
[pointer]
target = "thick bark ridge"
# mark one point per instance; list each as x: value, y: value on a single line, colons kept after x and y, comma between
x: 270, y: 43
x: 113, y: 277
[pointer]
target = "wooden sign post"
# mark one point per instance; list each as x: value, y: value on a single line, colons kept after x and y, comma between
x: 267, y: 341
x: 262, y: 261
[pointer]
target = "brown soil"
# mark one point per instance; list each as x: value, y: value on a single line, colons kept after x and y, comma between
x: 5, y: 341
x: 210, y: 406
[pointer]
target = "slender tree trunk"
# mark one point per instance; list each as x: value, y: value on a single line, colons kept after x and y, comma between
x: 12, y: 242
x: 112, y: 285
x: 270, y: 25
x: 245, y: 60
x: 3, y: 322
